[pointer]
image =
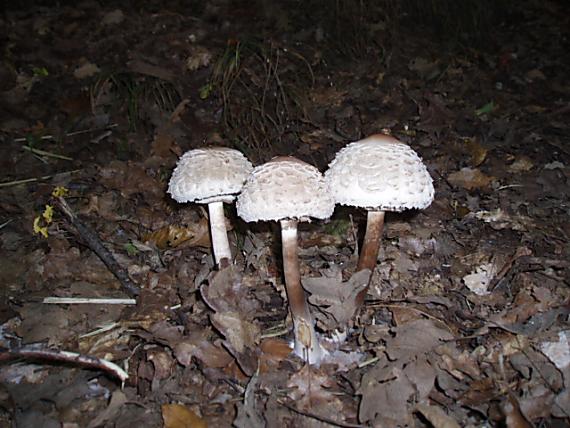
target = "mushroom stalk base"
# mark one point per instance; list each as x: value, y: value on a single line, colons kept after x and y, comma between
x: 370, y: 248
x: 306, y: 342
x: 220, y: 243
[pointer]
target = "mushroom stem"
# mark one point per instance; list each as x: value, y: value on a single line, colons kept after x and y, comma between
x: 306, y: 342
x: 220, y: 243
x: 370, y: 247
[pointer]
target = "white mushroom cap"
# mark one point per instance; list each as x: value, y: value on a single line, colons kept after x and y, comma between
x: 285, y: 187
x: 213, y: 174
x: 380, y: 173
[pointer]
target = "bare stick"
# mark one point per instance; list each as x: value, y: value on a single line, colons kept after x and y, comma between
x: 33, y: 353
x: 94, y: 243
x: 320, y: 418
x: 87, y: 300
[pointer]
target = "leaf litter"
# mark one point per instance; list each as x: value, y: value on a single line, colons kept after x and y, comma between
x: 466, y: 318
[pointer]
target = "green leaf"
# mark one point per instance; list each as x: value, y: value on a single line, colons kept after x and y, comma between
x: 487, y: 108
x: 131, y: 249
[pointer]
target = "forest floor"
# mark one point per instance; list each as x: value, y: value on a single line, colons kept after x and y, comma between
x: 466, y: 321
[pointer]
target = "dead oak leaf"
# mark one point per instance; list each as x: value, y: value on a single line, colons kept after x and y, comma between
x: 385, y: 393
x: 335, y: 300
x: 229, y: 290
x: 239, y: 332
x: 415, y: 338
x: 208, y: 353
x: 470, y: 179
x: 180, y: 416
x: 314, y: 391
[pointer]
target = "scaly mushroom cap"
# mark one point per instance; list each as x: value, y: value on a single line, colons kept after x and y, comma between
x: 213, y: 174
x: 285, y: 187
x: 380, y: 173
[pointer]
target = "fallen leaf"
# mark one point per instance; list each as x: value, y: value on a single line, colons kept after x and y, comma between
x: 514, y: 415
x: 558, y: 352
x: 479, y: 280
x: 334, y: 299
x: 469, y: 179
x: 240, y: 333
x: 118, y: 400
x: 499, y: 220
x: 199, y: 57
x: 415, y: 337
x: 85, y: 71
x: 436, y: 416
x: 477, y: 152
x: 487, y: 108
x: 249, y: 415
x: 172, y: 236
x: 521, y: 164
x: 179, y: 416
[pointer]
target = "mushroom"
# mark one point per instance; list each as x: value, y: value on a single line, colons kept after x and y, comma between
x: 289, y: 190
x: 212, y: 176
x: 381, y: 174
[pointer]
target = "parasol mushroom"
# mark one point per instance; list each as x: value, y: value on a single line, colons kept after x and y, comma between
x: 380, y: 174
x: 289, y: 190
x: 212, y: 176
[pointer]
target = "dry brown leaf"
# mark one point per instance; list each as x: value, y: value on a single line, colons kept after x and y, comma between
x: 334, y: 299
x: 240, y: 333
x: 179, y: 416
x: 199, y: 57
x: 131, y: 178
x: 118, y: 400
x: 477, y: 152
x: 385, y: 393
x: 315, y: 391
x: 416, y: 337
x: 469, y: 179
x: 172, y: 236
x: 436, y: 416
x: 521, y: 164
x: 163, y: 141
x: 499, y: 219
x: 273, y: 351
x: 209, y: 354
x: 513, y: 414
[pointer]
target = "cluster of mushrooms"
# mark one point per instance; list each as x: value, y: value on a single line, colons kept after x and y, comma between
x: 378, y: 174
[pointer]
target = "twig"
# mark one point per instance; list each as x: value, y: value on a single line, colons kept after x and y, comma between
x: 320, y: 418
x: 45, y: 153
x: 87, y: 300
x: 94, y: 243
x: 368, y: 362
x: 6, y: 223
x: 520, y: 252
x: 69, y: 134
x: 34, y: 353
x: 31, y: 180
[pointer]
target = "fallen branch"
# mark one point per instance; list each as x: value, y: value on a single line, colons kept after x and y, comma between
x: 34, y: 353
x: 94, y: 243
